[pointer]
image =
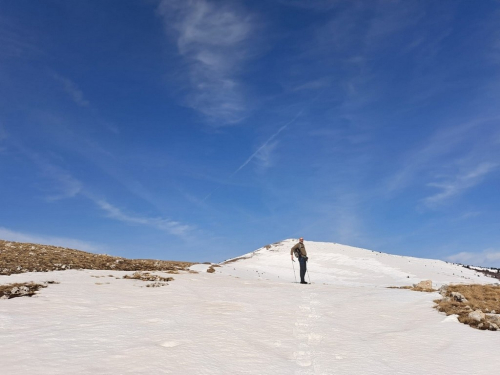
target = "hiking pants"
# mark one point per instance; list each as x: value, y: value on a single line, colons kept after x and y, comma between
x: 303, y: 268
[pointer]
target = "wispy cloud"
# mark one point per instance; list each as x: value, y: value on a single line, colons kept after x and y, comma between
x: 469, y: 215
x: 443, y: 146
x: 485, y: 258
x: 64, y: 185
x: 319, y: 5
x: 16, y: 41
x: 214, y: 40
x: 72, y: 90
x: 10, y: 235
x: 68, y: 186
x: 316, y: 84
x: 169, y: 226
x: 458, y: 184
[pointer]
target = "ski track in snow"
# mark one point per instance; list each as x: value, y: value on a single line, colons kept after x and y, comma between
x: 247, y: 318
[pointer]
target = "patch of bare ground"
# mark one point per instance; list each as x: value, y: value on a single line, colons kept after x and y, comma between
x: 491, y: 272
x: 14, y: 290
x: 17, y: 257
x: 233, y: 260
x: 157, y: 280
x: 474, y: 304
x: 271, y: 247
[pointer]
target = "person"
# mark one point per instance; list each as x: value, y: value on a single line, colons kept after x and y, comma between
x: 302, y: 255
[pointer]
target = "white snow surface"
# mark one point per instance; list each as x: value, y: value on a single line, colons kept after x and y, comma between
x: 248, y: 317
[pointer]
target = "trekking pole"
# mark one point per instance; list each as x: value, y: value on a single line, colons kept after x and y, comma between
x: 294, y: 271
x: 308, y: 276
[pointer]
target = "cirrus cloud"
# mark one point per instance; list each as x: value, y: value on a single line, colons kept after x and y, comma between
x: 214, y: 40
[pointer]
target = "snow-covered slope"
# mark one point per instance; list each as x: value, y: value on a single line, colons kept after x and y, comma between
x: 247, y: 318
x: 335, y: 264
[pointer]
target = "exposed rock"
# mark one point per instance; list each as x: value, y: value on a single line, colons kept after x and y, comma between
x: 458, y: 297
x: 424, y: 284
x: 443, y: 290
x: 493, y: 318
x: 477, y: 315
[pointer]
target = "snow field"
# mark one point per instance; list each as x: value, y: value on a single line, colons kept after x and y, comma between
x: 239, y: 321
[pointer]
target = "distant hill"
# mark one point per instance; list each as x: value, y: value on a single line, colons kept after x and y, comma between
x: 337, y: 264
x: 17, y: 257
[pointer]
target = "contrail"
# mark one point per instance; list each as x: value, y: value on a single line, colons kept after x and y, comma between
x: 264, y: 145
x: 256, y: 152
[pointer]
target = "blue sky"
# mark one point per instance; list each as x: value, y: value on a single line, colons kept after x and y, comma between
x: 200, y: 130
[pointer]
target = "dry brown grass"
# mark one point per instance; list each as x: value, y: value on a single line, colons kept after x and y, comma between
x: 9, y: 291
x: 485, y: 298
x: 146, y: 276
x: 234, y: 260
x: 157, y: 280
x: 16, y: 257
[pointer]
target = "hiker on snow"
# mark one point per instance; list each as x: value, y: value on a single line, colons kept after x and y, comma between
x: 300, y: 252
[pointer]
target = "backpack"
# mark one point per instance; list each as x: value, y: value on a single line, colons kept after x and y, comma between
x: 297, y: 253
